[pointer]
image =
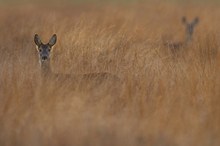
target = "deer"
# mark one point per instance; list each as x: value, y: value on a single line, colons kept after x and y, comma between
x: 44, y: 55
x: 189, y: 31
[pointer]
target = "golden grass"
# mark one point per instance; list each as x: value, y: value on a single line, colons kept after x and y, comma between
x: 167, y: 99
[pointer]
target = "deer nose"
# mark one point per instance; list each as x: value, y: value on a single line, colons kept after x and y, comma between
x: 44, y: 57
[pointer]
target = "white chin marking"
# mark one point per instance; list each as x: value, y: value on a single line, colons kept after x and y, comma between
x: 37, y: 48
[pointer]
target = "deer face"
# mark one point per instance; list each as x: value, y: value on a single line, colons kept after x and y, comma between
x: 44, y: 50
x: 190, y: 27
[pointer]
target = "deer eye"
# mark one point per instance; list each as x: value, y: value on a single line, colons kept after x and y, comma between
x: 40, y: 50
x: 48, y: 50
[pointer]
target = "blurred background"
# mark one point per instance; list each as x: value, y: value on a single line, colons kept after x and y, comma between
x: 170, y: 92
x: 66, y: 2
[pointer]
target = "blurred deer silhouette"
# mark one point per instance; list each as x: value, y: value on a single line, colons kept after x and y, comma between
x: 189, y: 30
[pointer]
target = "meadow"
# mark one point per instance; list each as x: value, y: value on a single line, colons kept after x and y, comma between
x: 169, y: 99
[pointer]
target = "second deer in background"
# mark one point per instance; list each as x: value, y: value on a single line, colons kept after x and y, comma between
x: 189, y: 28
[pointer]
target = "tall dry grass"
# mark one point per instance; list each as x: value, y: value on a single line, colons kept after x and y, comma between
x: 168, y: 99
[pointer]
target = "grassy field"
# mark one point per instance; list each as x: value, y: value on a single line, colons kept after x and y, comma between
x: 167, y: 99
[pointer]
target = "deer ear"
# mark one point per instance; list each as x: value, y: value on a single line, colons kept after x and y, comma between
x: 184, y: 21
x: 37, y: 40
x: 53, y: 40
x: 196, y: 21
